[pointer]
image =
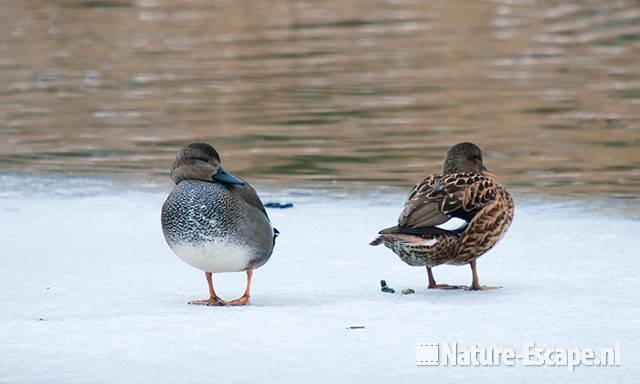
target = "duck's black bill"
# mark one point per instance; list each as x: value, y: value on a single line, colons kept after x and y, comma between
x: 228, y: 178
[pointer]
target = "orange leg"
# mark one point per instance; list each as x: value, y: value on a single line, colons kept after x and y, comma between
x: 475, y: 283
x: 244, y: 299
x: 433, y: 285
x: 213, y: 298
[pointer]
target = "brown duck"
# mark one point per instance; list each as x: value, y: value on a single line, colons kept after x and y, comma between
x: 465, y: 192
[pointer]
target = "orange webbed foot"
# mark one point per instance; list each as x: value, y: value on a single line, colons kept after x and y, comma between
x: 481, y: 288
x: 445, y: 286
x: 244, y: 300
x: 214, y: 301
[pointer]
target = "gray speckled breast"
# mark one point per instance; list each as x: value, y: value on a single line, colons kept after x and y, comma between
x: 212, y: 228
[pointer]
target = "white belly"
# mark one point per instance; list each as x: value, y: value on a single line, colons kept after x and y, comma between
x: 215, y: 256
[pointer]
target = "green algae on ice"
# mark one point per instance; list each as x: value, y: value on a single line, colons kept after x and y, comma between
x: 385, y: 288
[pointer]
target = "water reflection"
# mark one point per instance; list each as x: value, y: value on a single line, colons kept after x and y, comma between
x: 350, y: 92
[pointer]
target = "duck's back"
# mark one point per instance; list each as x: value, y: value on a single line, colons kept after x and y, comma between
x: 487, y: 227
x: 211, y: 227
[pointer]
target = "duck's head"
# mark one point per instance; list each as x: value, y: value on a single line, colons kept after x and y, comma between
x: 200, y: 161
x: 465, y: 158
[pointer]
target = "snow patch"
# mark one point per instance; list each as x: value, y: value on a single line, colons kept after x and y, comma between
x: 97, y: 292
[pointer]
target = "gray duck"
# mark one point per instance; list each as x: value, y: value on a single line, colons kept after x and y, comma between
x: 215, y: 221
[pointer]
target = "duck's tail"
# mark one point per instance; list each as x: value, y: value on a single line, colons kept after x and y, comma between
x: 380, y: 239
x: 387, y: 233
x: 377, y: 241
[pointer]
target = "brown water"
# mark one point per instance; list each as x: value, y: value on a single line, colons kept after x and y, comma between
x: 343, y: 92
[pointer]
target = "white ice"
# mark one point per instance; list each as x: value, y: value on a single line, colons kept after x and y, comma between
x: 90, y: 292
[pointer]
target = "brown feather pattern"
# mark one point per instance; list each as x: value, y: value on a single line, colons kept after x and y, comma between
x: 437, y: 198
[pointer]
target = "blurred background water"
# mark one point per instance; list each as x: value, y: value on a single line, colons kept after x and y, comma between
x: 359, y: 92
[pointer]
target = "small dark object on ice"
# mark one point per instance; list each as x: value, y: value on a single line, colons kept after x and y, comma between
x: 385, y: 288
x: 408, y: 291
x: 356, y: 327
x: 279, y: 205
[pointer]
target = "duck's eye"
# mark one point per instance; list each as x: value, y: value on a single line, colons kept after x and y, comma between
x: 201, y: 159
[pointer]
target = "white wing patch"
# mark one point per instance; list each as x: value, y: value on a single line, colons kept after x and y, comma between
x: 452, y: 224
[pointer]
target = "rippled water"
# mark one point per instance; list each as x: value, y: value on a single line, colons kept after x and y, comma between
x: 344, y: 92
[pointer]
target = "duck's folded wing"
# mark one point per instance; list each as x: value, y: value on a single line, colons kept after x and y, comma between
x: 438, y: 198
x: 420, y: 210
x: 250, y: 195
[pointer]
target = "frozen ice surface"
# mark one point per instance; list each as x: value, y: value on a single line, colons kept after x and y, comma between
x: 89, y: 292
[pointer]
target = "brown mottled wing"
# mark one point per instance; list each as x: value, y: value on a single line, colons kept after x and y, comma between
x: 433, y: 200
x: 250, y: 195
x: 420, y: 210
